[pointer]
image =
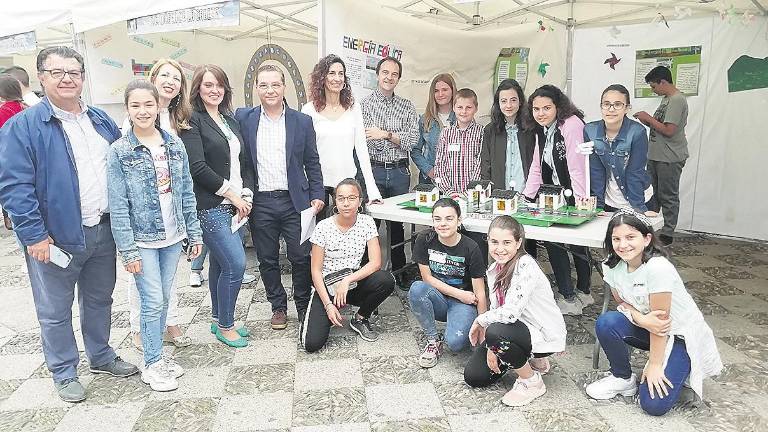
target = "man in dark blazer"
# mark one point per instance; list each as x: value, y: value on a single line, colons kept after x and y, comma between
x: 281, y: 143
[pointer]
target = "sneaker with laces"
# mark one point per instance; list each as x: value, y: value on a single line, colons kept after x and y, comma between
x: 540, y: 365
x: 569, y: 306
x: 279, y: 320
x: 586, y: 299
x: 248, y: 278
x: 196, y: 278
x: 174, y: 368
x: 524, y: 391
x: 610, y: 386
x: 117, y: 367
x: 364, y: 328
x: 431, y: 353
x: 70, y: 390
x: 159, y: 377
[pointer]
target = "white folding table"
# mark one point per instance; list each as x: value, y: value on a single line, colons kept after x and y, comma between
x: 590, y: 234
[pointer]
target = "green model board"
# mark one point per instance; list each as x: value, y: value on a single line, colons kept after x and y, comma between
x: 564, y: 216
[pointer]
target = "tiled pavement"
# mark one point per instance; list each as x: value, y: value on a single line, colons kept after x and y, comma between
x: 352, y: 385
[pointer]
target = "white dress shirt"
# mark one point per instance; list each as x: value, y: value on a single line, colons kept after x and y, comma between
x: 90, y: 151
x: 270, y: 153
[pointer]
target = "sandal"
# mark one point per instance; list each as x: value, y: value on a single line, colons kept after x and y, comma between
x: 177, y: 341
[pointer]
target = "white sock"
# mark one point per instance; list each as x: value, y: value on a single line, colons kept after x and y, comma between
x: 535, y: 378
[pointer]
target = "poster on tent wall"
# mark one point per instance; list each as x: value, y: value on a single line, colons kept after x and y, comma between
x: 361, y: 57
x: 512, y: 63
x: 220, y: 14
x: 684, y: 62
x: 115, y: 58
x: 18, y: 43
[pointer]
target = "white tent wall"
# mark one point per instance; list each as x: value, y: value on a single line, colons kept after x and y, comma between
x: 429, y: 49
x: 726, y: 143
x: 109, y: 53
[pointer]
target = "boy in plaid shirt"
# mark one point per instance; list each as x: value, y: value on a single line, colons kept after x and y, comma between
x: 457, y: 159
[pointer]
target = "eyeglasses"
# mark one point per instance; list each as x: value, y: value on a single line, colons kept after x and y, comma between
x: 59, y: 73
x: 350, y: 198
x: 273, y: 86
x: 615, y: 105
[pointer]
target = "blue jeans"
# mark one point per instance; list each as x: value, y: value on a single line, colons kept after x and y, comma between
x: 158, y: 269
x: 225, y: 272
x: 53, y: 290
x: 197, y: 263
x: 428, y: 304
x: 615, y: 332
x: 392, y: 182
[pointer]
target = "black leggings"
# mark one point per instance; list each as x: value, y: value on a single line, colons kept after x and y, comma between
x: 368, y: 295
x: 510, y: 342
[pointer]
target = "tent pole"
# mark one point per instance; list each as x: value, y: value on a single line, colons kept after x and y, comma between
x: 321, y: 42
x: 78, y: 43
x: 570, y: 28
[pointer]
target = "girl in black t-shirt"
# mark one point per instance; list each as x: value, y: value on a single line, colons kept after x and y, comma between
x: 452, y: 289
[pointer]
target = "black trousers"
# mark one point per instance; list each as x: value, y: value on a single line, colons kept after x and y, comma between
x: 368, y: 295
x: 273, y: 215
x: 561, y: 267
x: 510, y: 342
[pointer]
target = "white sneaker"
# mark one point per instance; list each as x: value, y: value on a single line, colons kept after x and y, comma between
x: 569, y: 306
x: 196, y: 278
x: 248, y: 278
x: 174, y: 368
x: 431, y: 354
x: 524, y: 391
x: 159, y: 377
x: 585, y: 299
x: 610, y: 386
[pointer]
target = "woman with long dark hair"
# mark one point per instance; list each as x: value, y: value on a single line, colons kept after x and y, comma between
x: 224, y: 180
x: 558, y: 128
x: 11, y: 99
x: 339, y: 128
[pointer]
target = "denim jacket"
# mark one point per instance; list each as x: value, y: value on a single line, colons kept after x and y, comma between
x: 626, y: 158
x: 134, y: 200
x: 38, y: 180
x: 423, y: 153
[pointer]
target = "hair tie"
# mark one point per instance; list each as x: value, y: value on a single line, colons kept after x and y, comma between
x: 627, y: 211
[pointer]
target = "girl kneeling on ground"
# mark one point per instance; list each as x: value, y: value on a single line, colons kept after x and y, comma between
x: 655, y: 314
x: 451, y: 288
x: 524, y: 325
x: 152, y: 209
x: 338, y: 245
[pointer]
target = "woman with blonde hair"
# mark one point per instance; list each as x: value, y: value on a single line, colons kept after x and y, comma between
x: 437, y: 115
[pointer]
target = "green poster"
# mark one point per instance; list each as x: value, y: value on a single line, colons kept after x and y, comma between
x: 511, y: 63
x: 684, y: 62
x: 748, y: 73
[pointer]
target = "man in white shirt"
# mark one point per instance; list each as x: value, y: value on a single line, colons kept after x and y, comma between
x: 282, y: 144
x: 54, y: 186
x: 21, y: 75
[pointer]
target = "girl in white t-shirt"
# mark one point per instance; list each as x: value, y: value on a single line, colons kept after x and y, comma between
x: 338, y: 245
x: 523, y: 326
x: 655, y: 314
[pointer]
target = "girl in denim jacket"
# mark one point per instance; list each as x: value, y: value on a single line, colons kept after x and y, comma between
x: 618, y: 154
x: 152, y: 208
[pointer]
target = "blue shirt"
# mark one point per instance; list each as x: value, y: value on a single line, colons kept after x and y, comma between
x: 515, y: 174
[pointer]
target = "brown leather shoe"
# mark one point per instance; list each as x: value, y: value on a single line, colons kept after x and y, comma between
x: 279, y: 320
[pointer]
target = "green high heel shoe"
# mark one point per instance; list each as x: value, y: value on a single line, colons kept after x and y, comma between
x: 242, y: 331
x: 240, y: 342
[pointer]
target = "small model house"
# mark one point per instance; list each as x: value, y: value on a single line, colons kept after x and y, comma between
x: 426, y: 194
x: 478, y: 193
x: 550, y: 197
x: 586, y: 203
x: 504, y: 202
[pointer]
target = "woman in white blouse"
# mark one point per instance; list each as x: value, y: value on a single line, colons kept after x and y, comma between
x: 339, y: 127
